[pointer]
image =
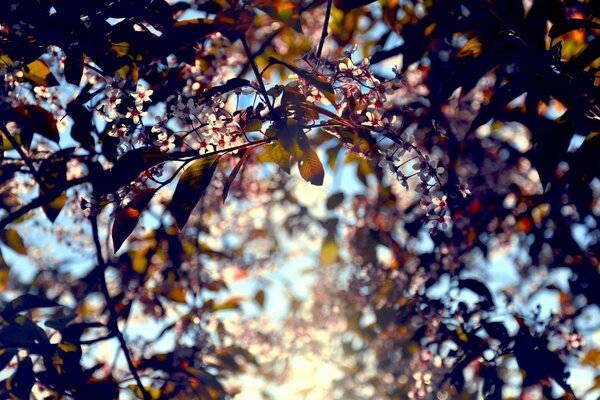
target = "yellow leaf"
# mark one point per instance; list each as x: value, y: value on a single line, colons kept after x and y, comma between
x: 152, y: 391
x: 329, y: 252
x: 38, y: 73
x: 311, y: 168
x: 177, y: 294
x: 12, y: 239
x: 68, y: 347
x: 592, y: 358
x: 472, y: 48
x: 120, y: 48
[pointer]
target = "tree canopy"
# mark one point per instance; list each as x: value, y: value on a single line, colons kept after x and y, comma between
x: 155, y: 153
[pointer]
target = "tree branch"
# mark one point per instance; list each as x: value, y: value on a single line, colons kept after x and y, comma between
x: 113, y: 321
x: 24, y: 156
x: 263, y: 89
x: 325, y: 27
x: 42, y: 200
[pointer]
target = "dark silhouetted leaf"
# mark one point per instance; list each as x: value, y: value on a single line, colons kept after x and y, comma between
x: 20, y: 384
x: 477, y: 287
x: 128, y: 168
x: 35, y: 119
x: 191, y: 186
x: 335, y: 200
x: 27, y: 302
x: 243, y: 156
x: 127, y: 217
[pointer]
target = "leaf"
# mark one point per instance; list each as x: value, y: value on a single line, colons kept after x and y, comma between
x: 230, y: 304
x: 592, y: 358
x: 38, y: 73
x: 27, y: 302
x: 23, y: 332
x: 477, y: 287
x: 20, y: 384
x: 233, y: 24
x: 253, y: 125
x: 53, y: 208
x: 127, y: 217
x: 497, y: 330
x: 329, y: 251
x: 35, y: 119
x: 335, y: 200
x: 567, y: 25
x: 128, y: 168
x: 12, y: 239
x: 152, y: 391
x: 322, y: 85
x: 244, y: 155
x: 260, y: 298
x: 292, y: 138
x: 472, y: 48
x: 277, y: 154
x: 178, y: 295
x: 311, y: 169
x: 6, y: 355
x: 283, y: 11
x: 232, y: 84
x: 191, y: 186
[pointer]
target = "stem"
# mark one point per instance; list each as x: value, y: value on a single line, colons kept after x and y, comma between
x: 263, y: 89
x: 113, y: 321
x: 44, y: 199
x: 24, y: 156
x: 325, y: 26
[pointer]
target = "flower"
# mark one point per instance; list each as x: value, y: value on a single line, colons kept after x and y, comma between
x: 165, y: 142
x: 463, y: 188
x: 142, y: 95
x: 440, y: 204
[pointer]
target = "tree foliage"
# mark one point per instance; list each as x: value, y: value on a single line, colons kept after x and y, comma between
x: 157, y: 145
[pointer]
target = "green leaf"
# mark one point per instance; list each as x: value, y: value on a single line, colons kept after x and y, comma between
x: 12, y: 239
x: 27, y: 302
x: 277, y: 154
x: 191, y: 186
x: 311, y: 168
x: 253, y: 125
x: 292, y: 138
x: 127, y: 217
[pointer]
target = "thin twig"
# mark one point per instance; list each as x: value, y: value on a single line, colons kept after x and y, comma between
x: 263, y: 89
x: 113, y: 321
x: 325, y: 26
x: 39, y: 201
x: 24, y: 156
